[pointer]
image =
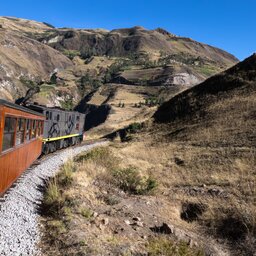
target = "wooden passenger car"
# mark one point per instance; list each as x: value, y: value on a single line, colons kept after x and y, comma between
x: 21, y: 132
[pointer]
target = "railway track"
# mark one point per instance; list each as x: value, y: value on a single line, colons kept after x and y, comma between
x: 19, y: 232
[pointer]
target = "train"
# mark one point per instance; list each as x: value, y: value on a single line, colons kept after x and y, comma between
x: 26, y: 132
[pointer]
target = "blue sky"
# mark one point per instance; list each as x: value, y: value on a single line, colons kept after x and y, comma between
x: 226, y: 24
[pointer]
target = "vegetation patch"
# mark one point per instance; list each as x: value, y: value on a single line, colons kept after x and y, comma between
x: 132, y: 181
x: 71, y: 54
x: 55, y: 200
x: 164, y: 246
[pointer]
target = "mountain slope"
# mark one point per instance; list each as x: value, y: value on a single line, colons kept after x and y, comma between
x: 224, y: 103
x: 23, y: 60
x: 124, y: 42
x: 145, y: 49
x: 202, y: 142
x: 68, y: 64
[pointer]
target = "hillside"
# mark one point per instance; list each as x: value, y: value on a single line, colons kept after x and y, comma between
x: 179, y: 175
x: 182, y: 183
x: 210, y: 129
x: 225, y: 102
x: 64, y: 65
x: 25, y: 62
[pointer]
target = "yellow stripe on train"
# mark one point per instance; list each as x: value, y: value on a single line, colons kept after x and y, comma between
x: 60, y: 138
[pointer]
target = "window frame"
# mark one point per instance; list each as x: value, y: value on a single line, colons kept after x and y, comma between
x: 18, y: 119
x: 14, y: 134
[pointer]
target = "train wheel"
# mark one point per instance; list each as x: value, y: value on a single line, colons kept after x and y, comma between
x: 46, y: 149
x: 65, y: 143
x: 58, y: 144
x: 70, y: 142
x: 52, y: 147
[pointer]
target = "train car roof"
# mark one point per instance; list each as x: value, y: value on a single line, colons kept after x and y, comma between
x: 18, y: 107
x: 43, y: 108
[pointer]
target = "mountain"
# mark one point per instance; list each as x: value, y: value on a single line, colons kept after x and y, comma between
x: 63, y: 66
x: 187, y: 61
x: 24, y: 61
x: 223, y: 105
x: 200, y: 146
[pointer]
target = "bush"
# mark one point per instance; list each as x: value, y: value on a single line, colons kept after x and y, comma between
x: 88, y: 81
x: 134, y: 127
x: 65, y: 177
x: 130, y: 180
x: 163, y: 246
x: 28, y: 82
x: 85, y: 212
x: 67, y: 104
x: 232, y: 223
x: 54, y: 199
x: 102, y: 156
x: 71, y: 54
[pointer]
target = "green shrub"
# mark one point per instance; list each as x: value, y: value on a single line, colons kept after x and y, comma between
x: 53, y: 199
x: 28, y: 82
x: 102, y: 156
x: 71, y: 54
x: 85, y: 212
x: 164, y: 246
x: 134, y: 127
x: 65, y: 177
x: 55, y: 202
x: 67, y: 104
x: 130, y: 180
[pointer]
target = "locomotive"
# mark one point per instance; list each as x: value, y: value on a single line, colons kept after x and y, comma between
x: 27, y: 132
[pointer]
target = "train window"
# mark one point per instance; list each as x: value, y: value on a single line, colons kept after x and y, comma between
x: 58, y: 117
x: 20, y: 131
x: 50, y: 116
x: 9, y: 132
x: 77, y: 118
x: 33, y: 128
x: 39, y: 127
x: 28, y: 129
x: 47, y: 115
x: 77, y: 126
x: 42, y: 127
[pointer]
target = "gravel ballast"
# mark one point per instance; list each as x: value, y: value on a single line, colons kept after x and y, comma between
x: 19, y: 230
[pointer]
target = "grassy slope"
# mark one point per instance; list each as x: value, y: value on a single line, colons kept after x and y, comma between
x: 202, y: 159
x: 211, y: 128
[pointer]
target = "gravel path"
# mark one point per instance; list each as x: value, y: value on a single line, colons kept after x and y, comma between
x: 19, y: 232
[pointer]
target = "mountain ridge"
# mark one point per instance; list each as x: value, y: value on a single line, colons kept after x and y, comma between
x: 81, y: 60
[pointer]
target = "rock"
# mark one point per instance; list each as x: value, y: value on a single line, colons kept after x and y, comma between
x: 167, y: 228
x: 105, y: 221
x: 136, y: 219
x: 178, y: 161
x: 95, y: 214
x: 127, y: 222
x: 139, y: 223
x: 192, y: 243
x: 164, y: 229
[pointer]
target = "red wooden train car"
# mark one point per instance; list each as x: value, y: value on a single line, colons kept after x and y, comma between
x: 21, y: 141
